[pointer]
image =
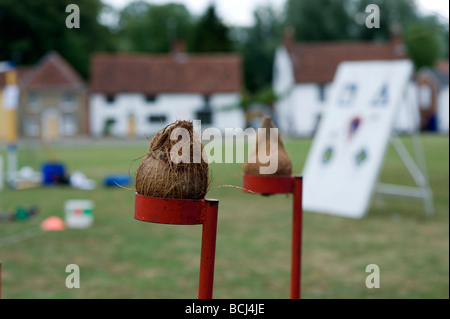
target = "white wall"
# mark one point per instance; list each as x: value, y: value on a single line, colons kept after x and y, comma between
x: 283, y: 116
x: 172, y: 106
x: 299, y: 106
x: 407, y: 119
x: 283, y: 73
x: 298, y: 113
x: 226, y: 111
x: 443, y: 111
x: 306, y: 108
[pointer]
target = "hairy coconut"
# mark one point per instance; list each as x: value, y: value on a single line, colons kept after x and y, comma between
x: 252, y: 165
x: 160, y: 174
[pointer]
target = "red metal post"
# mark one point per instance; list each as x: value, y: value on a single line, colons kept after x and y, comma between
x: 268, y: 185
x: 186, y: 212
x: 208, y: 253
x: 296, y: 238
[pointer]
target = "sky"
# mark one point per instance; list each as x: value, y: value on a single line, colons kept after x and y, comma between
x: 240, y: 12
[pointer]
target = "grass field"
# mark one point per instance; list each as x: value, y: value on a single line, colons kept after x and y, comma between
x: 120, y: 257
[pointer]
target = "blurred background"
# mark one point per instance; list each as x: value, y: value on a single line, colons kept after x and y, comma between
x: 252, y: 74
x: 78, y: 105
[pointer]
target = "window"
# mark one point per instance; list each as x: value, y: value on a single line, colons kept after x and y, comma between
x: 33, y: 101
x: 157, y: 119
x: 110, y: 98
x: 205, y: 113
x: 69, y: 125
x: 205, y: 116
x: 150, y: 98
x: 31, y: 127
x: 321, y: 92
x: 68, y: 101
x: 108, y: 126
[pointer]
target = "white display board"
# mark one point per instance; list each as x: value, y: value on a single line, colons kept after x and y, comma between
x: 348, y: 150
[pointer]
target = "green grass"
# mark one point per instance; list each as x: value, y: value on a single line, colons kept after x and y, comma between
x: 120, y: 257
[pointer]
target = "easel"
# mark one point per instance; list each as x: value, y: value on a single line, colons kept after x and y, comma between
x: 416, y: 167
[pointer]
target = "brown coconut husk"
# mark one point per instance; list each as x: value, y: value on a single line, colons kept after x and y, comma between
x: 252, y: 165
x: 159, y: 176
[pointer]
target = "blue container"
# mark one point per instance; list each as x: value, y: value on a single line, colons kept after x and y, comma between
x: 115, y: 180
x: 53, y: 173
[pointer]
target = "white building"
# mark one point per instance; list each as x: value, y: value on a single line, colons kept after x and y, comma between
x: 138, y: 94
x: 433, y: 97
x: 303, y: 74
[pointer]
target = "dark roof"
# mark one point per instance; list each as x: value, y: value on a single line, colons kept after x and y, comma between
x: 317, y: 62
x: 153, y: 74
x: 439, y: 74
x: 52, y: 71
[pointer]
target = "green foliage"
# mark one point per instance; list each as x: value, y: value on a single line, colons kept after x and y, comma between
x: 210, y: 34
x: 319, y: 20
x: 265, y: 96
x: 153, y: 28
x: 29, y: 29
x: 258, y: 48
x: 393, y: 14
x: 423, y: 45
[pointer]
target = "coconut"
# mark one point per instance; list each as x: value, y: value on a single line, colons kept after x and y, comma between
x: 160, y: 174
x: 253, y: 164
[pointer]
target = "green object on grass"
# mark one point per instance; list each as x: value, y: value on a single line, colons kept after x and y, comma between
x: 21, y: 214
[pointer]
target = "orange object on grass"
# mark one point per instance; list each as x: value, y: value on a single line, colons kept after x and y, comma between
x: 53, y: 223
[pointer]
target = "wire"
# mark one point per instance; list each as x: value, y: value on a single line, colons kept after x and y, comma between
x: 20, y: 236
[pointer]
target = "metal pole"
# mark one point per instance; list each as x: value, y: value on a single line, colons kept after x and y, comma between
x: 268, y: 185
x: 186, y: 212
x: 296, y: 238
x: 207, y: 258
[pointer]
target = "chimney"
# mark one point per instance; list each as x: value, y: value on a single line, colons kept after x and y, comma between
x: 396, y: 42
x: 178, y: 46
x: 179, y: 50
x: 289, y: 38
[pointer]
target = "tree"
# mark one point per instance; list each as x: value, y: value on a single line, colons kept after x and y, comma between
x: 423, y: 43
x: 153, y: 28
x: 258, y: 48
x: 210, y: 34
x: 319, y: 20
x: 393, y: 14
x: 29, y: 29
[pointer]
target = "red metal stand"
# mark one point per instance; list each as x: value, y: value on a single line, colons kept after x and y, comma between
x: 186, y: 212
x: 268, y: 185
